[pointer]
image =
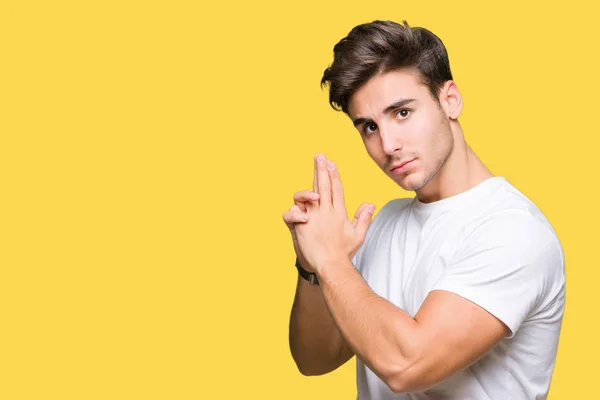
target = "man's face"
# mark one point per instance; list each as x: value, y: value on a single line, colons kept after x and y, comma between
x: 404, y: 129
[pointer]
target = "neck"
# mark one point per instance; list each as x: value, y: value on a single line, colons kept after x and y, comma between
x: 461, y: 171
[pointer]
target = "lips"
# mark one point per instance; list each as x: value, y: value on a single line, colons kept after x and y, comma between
x: 400, y: 168
x: 399, y: 165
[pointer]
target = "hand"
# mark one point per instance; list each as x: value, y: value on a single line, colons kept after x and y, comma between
x: 297, y: 215
x: 328, y: 235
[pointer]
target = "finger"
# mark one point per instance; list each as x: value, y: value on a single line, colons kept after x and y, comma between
x: 303, y: 197
x: 323, y: 182
x: 294, y: 216
x: 315, y: 178
x: 360, y: 210
x: 364, y: 220
x: 337, y: 190
x: 298, y: 214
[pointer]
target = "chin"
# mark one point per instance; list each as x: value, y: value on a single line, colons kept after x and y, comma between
x: 412, y: 182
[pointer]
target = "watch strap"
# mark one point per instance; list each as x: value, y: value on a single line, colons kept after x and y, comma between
x: 311, y: 277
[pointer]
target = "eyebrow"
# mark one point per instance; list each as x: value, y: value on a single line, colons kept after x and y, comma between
x: 391, y: 107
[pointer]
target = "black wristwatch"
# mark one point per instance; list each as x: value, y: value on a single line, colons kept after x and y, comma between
x: 309, y: 276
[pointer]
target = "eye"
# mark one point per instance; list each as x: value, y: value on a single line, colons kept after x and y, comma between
x: 403, y: 114
x: 370, y: 128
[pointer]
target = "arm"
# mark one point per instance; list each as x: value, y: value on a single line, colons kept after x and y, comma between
x: 448, y: 333
x: 315, y: 342
x: 408, y: 354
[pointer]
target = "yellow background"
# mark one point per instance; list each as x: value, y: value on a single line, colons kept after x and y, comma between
x: 148, y: 150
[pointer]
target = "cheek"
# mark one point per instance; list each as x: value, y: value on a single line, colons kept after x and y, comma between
x: 441, y: 142
x: 418, y: 133
x: 422, y: 138
x: 374, y: 149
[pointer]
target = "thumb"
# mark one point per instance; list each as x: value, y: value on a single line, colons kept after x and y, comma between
x: 364, y: 217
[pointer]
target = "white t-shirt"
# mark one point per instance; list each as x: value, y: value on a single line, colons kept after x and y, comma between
x: 492, y: 246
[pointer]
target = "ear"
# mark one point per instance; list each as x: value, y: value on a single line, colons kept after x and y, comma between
x: 450, y: 100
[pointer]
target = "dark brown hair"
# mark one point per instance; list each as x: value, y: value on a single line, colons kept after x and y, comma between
x: 380, y: 47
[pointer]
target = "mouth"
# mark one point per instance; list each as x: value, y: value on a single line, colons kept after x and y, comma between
x: 401, y: 168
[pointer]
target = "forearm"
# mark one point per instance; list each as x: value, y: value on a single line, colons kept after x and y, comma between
x: 384, y: 337
x: 315, y: 342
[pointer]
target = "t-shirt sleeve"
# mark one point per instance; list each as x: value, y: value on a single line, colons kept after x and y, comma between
x: 509, y: 265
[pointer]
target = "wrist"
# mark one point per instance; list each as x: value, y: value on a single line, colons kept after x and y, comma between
x: 309, y: 276
x: 327, y: 270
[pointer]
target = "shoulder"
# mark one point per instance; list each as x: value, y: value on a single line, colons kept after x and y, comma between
x: 516, y: 229
x: 509, y: 234
x: 510, y: 254
x: 510, y: 217
x: 515, y: 246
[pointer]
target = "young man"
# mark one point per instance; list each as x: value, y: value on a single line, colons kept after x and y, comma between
x: 457, y: 293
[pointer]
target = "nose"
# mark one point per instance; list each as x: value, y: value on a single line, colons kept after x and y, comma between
x: 390, y: 140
